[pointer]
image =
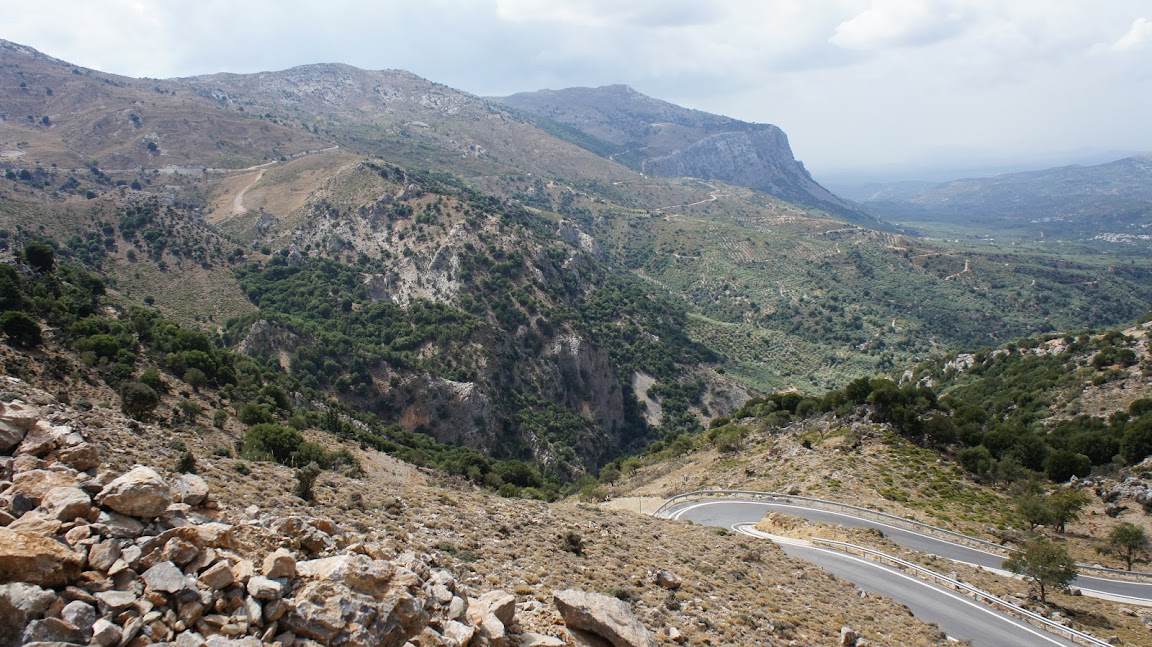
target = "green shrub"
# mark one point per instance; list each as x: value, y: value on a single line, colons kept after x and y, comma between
x: 137, y: 399
x: 187, y: 463
x: 272, y: 441
x: 152, y: 378
x: 310, y: 452
x: 40, y: 256
x: 20, y: 329
x: 1136, y: 444
x: 305, y: 478
x: 1063, y: 464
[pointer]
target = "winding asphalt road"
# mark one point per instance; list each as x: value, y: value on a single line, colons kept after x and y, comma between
x: 956, y: 615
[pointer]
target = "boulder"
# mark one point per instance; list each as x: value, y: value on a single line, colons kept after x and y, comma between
x: 458, y: 631
x: 66, y: 503
x: 606, y: 617
x: 848, y: 637
x: 358, y: 572
x: 264, y: 589
x: 25, y: 557
x: 106, y: 634
x: 20, y: 415
x: 218, y: 576
x: 115, y: 601
x: 11, y: 624
x: 82, y: 457
x: 41, y: 439
x: 53, y: 630
x: 280, y: 564
x: 10, y: 435
x: 191, y: 489
x: 332, y: 613
x: 141, y: 492
x: 166, y: 577
x: 34, y: 484
x: 669, y: 580
x: 79, y: 614
x: 29, y: 599
x: 36, y: 523
x: 499, y: 603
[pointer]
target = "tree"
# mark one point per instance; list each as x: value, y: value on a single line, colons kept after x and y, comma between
x: 195, y: 378
x: 40, y: 256
x: 1065, y: 505
x: 1136, y: 443
x: 1045, y: 564
x: 1034, y: 509
x: 270, y: 440
x: 1063, y: 464
x: 21, y: 329
x: 137, y: 399
x: 1130, y: 541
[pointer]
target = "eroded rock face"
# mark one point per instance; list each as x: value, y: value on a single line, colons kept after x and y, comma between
x: 25, y: 557
x: 141, y: 492
x: 600, y: 615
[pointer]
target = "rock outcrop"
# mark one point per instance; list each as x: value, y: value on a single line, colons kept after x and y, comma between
x: 602, y: 616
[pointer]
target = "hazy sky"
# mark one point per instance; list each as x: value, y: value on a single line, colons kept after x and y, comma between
x: 857, y: 84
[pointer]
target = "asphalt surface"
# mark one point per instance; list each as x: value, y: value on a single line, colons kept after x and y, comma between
x: 957, y: 616
x: 727, y: 513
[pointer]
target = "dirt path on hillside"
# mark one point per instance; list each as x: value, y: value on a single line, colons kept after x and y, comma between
x: 238, y: 208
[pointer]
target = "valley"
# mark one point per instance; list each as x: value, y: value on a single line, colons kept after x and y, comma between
x: 457, y: 336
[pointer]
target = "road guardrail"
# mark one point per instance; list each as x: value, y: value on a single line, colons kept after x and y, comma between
x: 884, y: 517
x: 968, y: 590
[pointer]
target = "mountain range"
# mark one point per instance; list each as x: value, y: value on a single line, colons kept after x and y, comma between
x: 1109, y: 202
x: 558, y: 277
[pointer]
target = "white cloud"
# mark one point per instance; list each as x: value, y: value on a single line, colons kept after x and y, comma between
x: 853, y: 82
x: 888, y: 23
x: 1137, y: 37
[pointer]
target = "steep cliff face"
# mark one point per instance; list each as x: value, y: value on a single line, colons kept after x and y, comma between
x: 586, y: 382
x: 660, y: 138
x: 759, y: 158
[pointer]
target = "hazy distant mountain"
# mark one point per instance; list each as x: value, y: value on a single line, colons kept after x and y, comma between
x: 1112, y: 200
x: 659, y: 138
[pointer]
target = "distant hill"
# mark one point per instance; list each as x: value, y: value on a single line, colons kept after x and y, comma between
x: 1110, y: 201
x: 660, y: 138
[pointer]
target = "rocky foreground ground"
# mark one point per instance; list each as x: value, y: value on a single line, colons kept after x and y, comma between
x: 102, y: 543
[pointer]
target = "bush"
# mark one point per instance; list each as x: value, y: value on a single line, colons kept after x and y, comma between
x: 1063, y: 464
x: 305, y: 479
x: 195, y: 378
x: 137, y: 399
x: 20, y: 329
x: 270, y: 440
x: 187, y: 463
x: 152, y: 378
x: 310, y: 452
x: 40, y: 256
x: 1136, y: 444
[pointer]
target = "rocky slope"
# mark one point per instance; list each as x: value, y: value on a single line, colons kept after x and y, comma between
x: 663, y: 139
x: 104, y: 545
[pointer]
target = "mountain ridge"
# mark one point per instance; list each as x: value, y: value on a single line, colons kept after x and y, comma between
x: 661, y: 138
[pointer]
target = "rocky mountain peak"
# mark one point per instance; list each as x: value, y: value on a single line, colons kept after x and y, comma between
x: 661, y: 138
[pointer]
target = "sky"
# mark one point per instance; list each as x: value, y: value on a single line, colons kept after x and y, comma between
x: 864, y: 88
